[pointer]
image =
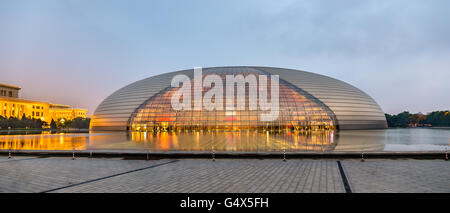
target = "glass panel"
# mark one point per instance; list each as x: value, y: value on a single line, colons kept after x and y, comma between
x: 299, y: 111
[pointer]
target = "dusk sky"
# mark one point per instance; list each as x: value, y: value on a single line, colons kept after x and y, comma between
x: 79, y: 52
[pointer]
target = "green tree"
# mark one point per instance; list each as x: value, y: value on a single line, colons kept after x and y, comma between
x: 404, y: 119
x: 3, y: 123
x: 438, y: 118
x: 389, y: 119
x: 80, y: 123
x: 53, y: 124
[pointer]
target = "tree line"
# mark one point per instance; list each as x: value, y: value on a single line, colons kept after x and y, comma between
x: 31, y: 123
x: 406, y: 119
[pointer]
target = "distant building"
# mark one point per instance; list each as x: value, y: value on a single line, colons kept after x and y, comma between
x: 9, y: 91
x: 13, y: 106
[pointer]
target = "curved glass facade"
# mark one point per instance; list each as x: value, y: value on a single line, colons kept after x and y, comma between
x: 297, y: 111
x: 347, y: 106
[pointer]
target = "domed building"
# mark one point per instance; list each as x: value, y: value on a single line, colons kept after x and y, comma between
x: 306, y: 101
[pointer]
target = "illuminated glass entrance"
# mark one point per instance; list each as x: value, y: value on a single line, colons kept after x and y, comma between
x: 298, y: 111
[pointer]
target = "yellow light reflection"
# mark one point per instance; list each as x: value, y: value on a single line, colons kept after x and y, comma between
x: 249, y: 141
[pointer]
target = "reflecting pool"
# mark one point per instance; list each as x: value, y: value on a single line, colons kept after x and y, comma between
x: 410, y: 139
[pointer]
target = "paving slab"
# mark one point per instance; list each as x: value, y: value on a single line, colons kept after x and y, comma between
x: 225, y: 175
x: 62, y: 174
x: 408, y: 175
x: 42, y: 174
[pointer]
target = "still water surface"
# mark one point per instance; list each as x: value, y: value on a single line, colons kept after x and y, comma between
x: 409, y: 139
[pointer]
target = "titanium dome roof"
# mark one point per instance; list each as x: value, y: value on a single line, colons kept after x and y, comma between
x: 352, y: 108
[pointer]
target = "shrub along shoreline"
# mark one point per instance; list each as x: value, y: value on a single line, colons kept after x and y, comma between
x: 28, y: 124
x: 406, y: 119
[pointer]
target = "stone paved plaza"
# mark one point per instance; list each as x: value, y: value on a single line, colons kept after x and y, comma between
x: 60, y: 174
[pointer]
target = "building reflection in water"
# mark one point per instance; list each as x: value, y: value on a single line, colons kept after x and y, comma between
x: 227, y: 141
x: 44, y: 141
x: 232, y: 141
x: 399, y: 139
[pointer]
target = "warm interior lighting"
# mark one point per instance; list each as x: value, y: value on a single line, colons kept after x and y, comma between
x: 298, y: 112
